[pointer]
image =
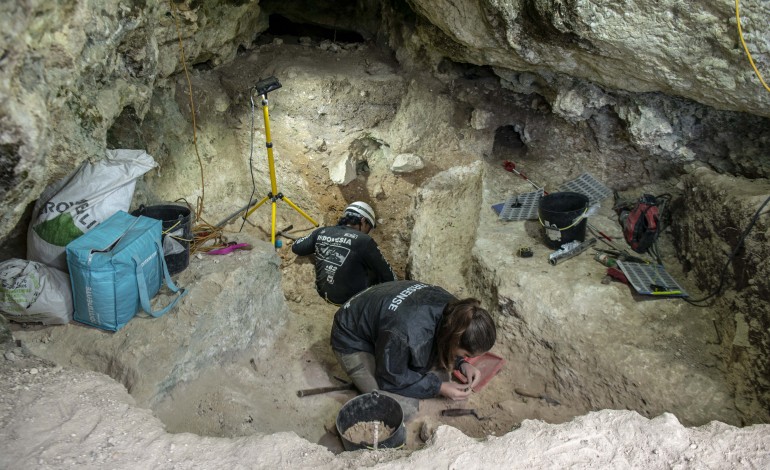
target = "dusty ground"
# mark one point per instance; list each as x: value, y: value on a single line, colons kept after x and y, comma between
x: 244, y: 398
x: 335, y: 87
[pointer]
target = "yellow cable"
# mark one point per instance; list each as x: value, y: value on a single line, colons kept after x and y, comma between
x: 745, y: 47
x: 574, y: 222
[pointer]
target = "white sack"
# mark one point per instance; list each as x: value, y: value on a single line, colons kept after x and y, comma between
x: 78, y: 203
x: 34, y: 292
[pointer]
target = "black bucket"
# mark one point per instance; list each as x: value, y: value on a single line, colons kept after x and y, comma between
x: 372, y: 407
x: 177, y: 224
x: 560, y: 214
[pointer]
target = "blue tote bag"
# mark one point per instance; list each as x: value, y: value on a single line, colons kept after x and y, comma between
x: 116, y: 268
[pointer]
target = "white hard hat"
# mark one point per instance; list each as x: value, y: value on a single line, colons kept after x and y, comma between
x: 364, y: 210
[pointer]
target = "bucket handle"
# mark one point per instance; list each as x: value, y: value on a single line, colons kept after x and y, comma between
x: 368, y: 447
x: 574, y: 222
x: 169, y: 230
x: 375, y: 394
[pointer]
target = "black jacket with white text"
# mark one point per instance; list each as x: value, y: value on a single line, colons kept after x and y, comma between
x: 397, y: 322
x: 346, y: 261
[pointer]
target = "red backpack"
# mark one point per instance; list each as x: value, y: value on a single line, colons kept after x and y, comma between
x: 641, y: 223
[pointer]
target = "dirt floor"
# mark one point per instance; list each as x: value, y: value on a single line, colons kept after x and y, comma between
x: 248, y: 397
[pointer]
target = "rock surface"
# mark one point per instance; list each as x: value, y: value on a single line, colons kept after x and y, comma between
x: 232, y: 302
x: 639, y: 46
x: 98, y: 426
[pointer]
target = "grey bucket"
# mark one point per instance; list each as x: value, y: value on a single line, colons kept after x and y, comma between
x: 561, y: 215
x: 372, y: 407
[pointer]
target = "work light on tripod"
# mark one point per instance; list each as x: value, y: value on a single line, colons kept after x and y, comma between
x: 263, y: 87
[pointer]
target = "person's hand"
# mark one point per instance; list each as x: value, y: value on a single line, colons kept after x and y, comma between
x: 472, y: 373
x: 455, y: 391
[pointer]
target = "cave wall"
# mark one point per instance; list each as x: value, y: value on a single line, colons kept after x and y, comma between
x: 716, y: 217
x: 640, y: 46
x: 663, y: 83
x: 69, y: 70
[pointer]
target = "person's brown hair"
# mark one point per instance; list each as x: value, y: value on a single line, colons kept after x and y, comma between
x: 465, y: 325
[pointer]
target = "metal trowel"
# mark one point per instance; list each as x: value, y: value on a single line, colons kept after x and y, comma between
x: 463, y: 412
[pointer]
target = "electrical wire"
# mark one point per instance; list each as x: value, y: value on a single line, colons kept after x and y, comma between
x: 662, y: 201
x: 730, y: 258
x: 251, y: 162
x: 745, y: 233
x: 192, y: 101
x: 203, y: 232
x: 745, y: 47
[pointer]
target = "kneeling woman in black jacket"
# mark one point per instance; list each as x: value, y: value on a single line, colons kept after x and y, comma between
x: 405, y: 337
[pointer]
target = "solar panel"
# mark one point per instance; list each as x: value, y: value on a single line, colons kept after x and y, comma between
x: 651, y: 279
x: 521, y: 206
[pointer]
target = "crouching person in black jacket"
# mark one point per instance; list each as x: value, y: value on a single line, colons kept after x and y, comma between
x: 405, y: 337
x: 347, y: 259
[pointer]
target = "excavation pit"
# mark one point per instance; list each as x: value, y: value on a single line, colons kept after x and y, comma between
x: 228, y: 361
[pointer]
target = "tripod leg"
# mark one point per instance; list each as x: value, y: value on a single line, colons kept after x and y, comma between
x: 272, y: 225
x: 264, y: 200
x: 302, y: 213
x: 269, y: 145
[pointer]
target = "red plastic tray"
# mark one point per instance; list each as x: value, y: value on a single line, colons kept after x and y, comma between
x: 488, y: 363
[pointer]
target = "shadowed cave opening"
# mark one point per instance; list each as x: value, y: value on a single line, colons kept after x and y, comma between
x: 283, y: 27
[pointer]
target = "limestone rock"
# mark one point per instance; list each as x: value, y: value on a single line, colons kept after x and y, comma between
x: 428, y: 428
x: 446, y: 214
x: 70, y: 70
x: 406, y: 163
x: 481, y: 119
x: 638, y: 48
x: 343, y: 170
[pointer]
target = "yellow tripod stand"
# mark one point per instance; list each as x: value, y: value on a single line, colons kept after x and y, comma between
x: 263, y: 87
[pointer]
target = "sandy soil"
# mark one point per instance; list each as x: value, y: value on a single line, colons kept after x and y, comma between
x: 241, y: 399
